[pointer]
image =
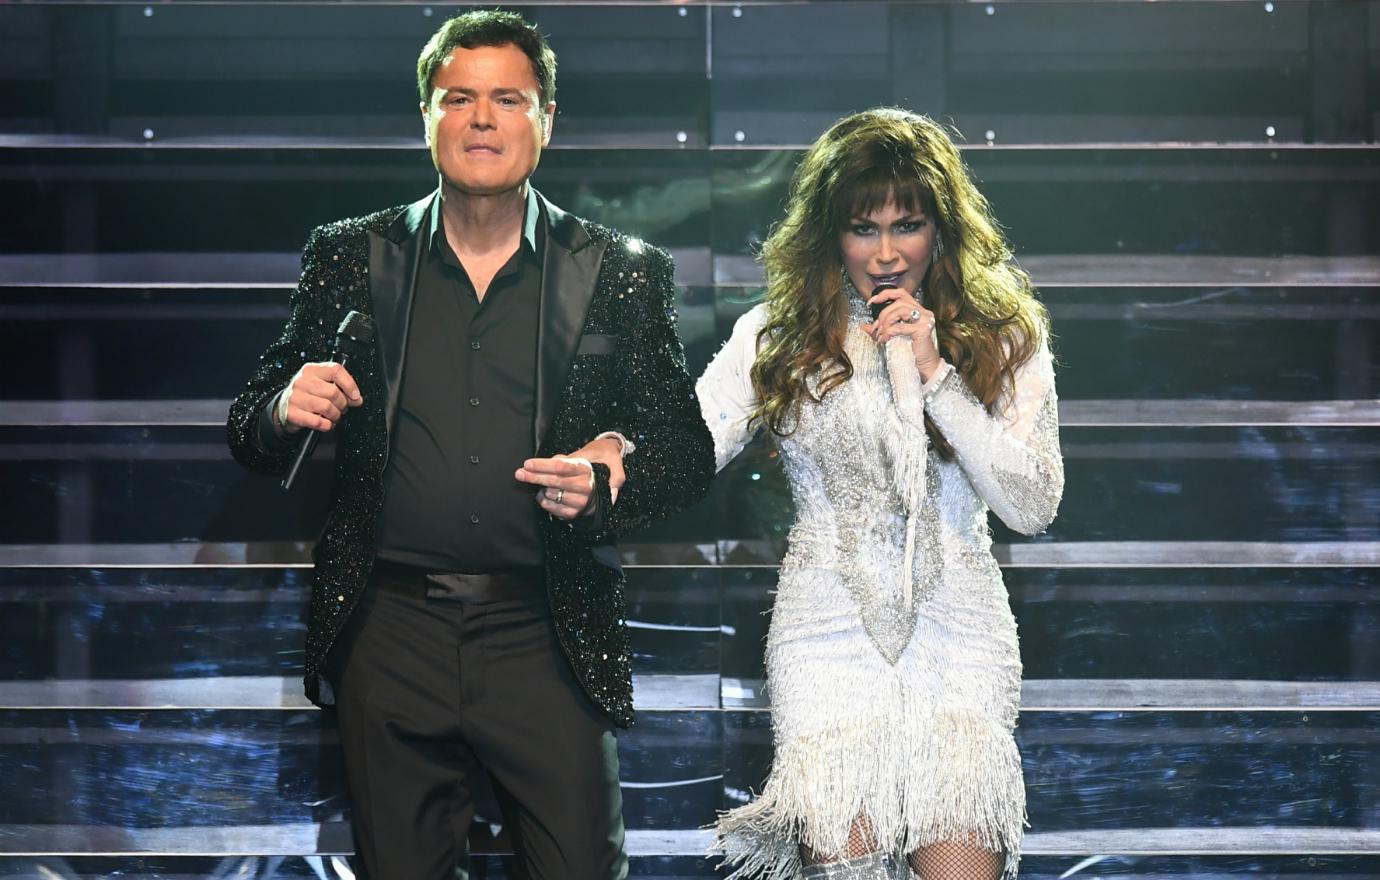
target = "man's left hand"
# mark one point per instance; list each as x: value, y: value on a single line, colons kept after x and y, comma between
x: 568, y: 484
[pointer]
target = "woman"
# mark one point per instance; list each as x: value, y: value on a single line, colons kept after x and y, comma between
x: 892, y: 662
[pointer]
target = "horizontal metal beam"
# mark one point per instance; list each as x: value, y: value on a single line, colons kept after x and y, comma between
x: 1218, y: 413
x: 277, y: 555
x: 273, y: 306
x: 654, y: 692
x: 1190, y: 554
x: 1145, y: 270
x: 1272, y: 841
x: 1148, y: 695
x: 707, y: 691
x: 736, y: 554
x: 146, y: 449
x: 182, y: 554
x: 174, y: 589
x: 616, y: 141
x: 1166, y: 695
x: 333, y: 838
x: 113, y: 413
x: 1072, y: 413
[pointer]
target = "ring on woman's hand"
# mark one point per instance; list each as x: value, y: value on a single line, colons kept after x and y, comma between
x: 914, y: 316
x: 560, y: 493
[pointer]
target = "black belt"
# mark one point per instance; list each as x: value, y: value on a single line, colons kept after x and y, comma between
x: 503, y: 586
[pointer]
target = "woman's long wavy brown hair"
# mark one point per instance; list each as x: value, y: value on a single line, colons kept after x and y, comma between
x: 988, y: 320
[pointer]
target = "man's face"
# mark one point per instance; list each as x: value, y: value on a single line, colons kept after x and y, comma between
x: 485, y: 123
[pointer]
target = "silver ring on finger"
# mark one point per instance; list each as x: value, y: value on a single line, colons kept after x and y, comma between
x: 914, y: 316
x: 560, y: 494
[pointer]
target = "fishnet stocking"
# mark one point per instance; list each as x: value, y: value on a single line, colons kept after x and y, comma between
x: 950, y: 860
x: 861, y: 842
x: 953, y: 860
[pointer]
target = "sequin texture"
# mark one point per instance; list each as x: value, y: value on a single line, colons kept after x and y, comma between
x: 641, y: 390
x: 876, y: 866
x: 899, y: 711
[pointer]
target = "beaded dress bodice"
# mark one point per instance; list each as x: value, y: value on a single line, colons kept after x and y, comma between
x: 874, y: 505
x: 845, y: 462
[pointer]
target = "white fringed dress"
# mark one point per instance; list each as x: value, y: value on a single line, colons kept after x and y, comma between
x: 893, y: 697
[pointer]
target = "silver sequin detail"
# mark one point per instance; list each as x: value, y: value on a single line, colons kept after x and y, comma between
x: 842, y: 447
x: 1041, y: 489
x: 874, y: 866
x: 1012, y: 458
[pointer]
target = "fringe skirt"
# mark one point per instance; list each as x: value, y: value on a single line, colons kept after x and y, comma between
x: 923, y: 749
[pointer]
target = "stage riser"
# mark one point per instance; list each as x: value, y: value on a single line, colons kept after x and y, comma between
x: 1187, y: 202
x: 1164, y: 73
x: 226, y: 768
x: 1317, y: 496
x: 1285, y: 344
x: 1303, y: 625
x: 1127, y: 867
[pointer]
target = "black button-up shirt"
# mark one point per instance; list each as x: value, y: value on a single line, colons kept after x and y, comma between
x: 465, y: 414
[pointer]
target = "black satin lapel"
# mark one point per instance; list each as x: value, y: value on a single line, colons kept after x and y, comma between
x: 568, y: 279
x: 392, y: 279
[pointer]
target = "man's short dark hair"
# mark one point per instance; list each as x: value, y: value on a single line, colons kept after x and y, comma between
x: 488, y: 27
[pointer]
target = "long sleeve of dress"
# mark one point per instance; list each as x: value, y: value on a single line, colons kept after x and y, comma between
x: 1011, y: 457
x: 726, y: 395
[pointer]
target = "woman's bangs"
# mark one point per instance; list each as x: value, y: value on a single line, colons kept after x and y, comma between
x: 874, y: 189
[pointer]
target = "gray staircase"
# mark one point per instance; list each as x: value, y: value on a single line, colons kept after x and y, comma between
x: 1193, y: 187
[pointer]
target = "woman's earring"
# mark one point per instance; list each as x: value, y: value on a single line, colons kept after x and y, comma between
x: 938, y: 248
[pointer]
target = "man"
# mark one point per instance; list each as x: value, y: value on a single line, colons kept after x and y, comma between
x: 460, y: 625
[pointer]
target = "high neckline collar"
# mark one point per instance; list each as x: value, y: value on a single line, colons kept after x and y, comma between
x: 858, y: 312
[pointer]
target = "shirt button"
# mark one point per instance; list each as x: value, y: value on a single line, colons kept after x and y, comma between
x: 474, y: 346
x: 474, y: 459
x: 474, y: 401
x: 474, y: 518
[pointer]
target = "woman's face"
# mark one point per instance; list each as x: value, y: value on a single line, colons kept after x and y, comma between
x: 888, y: 246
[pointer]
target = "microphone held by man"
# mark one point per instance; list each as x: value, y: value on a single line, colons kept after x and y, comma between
x: 319, y: 395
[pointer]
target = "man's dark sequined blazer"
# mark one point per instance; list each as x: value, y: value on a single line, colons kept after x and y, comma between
x: 608, y: 359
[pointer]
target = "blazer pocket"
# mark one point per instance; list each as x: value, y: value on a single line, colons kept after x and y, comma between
x: 597, y: 343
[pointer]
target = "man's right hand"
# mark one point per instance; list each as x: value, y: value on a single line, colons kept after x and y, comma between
x: 317, y: 398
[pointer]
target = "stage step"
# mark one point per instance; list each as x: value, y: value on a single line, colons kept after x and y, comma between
x: 1102, y: 864
x: 1064, y: 555
x: 138, y: 774
x: 327, y: 839
x: 1303, y: 631
x: 661, y: 692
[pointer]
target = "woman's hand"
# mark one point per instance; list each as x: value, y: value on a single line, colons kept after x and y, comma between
x: 896, y: 320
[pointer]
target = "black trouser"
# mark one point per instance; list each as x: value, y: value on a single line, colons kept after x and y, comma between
x: 432, y: 692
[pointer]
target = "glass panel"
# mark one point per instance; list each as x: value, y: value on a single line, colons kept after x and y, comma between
x: 1112, y: 202
x: 1016, y: 73
x: 266, y: 201
x: 1162, y: 770
x: 74, y: 625
x: 191, y: 71
x: 1301, y: 625
x: 139, y: 773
